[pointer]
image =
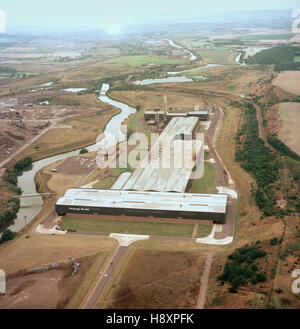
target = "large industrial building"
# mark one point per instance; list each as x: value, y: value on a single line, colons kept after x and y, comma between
x: 161, y: 169
x: 159, y: 116
x: 154, y: 190
x: 137, y: 203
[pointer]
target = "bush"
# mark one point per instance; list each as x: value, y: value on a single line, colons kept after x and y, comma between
x: 8, y: 214
x: 23, y: 164
x: 240, y: 267
x: 273, y: 242
x: 7, y: 235
x: 83, y: 151
x: 261, y: 277
x: 282, y: 148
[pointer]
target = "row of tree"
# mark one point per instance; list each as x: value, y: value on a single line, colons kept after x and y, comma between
x: 282, y: 148
x: 11, y: 178
x: 258, y: 160
x: 8, y: 214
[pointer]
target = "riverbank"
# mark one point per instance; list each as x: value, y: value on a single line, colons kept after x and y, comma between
x: 30, y: 207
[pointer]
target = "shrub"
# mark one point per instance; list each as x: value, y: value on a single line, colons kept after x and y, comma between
x: 83, y: 151
x: 7, y: 235
x: 273, y: 242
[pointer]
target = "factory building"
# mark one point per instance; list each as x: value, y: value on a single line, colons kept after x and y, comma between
x: 152, y: 190
x: 151, y: 175
x: 157, y: 115
x: 145, y: 204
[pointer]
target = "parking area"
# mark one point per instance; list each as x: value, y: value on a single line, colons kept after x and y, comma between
x: 77, y: 166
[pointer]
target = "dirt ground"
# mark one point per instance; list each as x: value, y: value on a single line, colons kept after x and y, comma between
x: 37, y: 250
x: 289, y: 81
x: 51, y: 289
x: 77, y: 166
x: 283, y: 280
x: 157, y: 279
x: 289, y: 130
x: 34, y: 291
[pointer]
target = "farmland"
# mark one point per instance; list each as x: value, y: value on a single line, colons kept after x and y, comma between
x: 141, y: 60
x: 289, y: 81
x: 290, y: 116
x: 164, y: 271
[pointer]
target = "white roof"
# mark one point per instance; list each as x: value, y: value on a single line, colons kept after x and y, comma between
x: 151, y: 175
x: 121, y: 181
x: 188, y: 202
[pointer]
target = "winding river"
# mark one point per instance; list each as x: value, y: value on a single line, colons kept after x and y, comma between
x: 31, y: 206
x: 193, y: 57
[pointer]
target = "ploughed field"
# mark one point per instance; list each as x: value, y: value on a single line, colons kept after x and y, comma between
x: 289, y: 130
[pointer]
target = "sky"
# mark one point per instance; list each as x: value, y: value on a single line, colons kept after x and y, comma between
x: 113, y: 15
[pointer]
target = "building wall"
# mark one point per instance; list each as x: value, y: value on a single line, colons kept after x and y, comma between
x: 218, y: 218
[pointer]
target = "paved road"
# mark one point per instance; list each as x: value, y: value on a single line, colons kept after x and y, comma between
x: 102, y: 283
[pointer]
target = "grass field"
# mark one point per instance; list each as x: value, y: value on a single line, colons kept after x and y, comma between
x: 206, y: 183
x: 107, y: 182
x: 203, y: 230
x: 130, y: 227
x: 289, y: 132
x: 91, y: 276
x: 256, y: 38
x: 218, y: 56
x: 144, y: 59
x: 156, y: 279
x: 297, y: 59
x: 85, y: 130
x: 37, y: 250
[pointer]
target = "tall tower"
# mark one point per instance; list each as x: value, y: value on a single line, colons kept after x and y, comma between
x: 166, y: 108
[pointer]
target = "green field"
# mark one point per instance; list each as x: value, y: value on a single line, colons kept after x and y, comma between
x: 206, y: 183
x: 231, y: 88
x: 133, y: 227
x: 218, y: 56
x: 107, y: 182
x: 144, y: 59
x: 297, y: 59
x: 203, y: 230
x: 256, y: 38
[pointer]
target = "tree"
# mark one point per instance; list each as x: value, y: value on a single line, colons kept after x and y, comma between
x: 83, y: 151
x: 7, y: 235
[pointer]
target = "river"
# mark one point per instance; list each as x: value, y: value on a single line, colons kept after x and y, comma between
x: 31, y: 206
x: 193, y: 57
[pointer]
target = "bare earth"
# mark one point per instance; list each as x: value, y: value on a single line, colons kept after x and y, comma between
x: 289, y: 81
x: 25, y: 292
x: 40, y: 249
x: 289, y: 130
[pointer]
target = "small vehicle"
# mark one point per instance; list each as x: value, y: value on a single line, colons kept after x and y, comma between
x: 105, y: 275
